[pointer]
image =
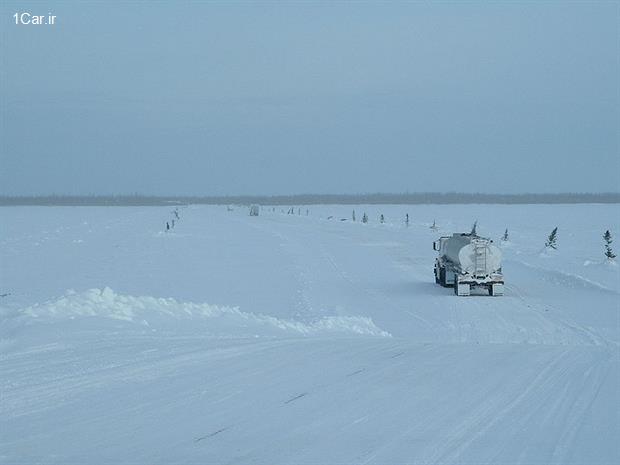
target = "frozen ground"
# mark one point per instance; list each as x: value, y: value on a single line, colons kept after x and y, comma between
x: 294, y: 339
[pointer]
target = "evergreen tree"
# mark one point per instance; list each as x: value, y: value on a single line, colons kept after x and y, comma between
x: 353, y: 216
x: 407, y: 220
x: 608, y: 240
x: 473, y: 229
x: 552, y: 239
x: 434, y: 225
x: 505, y: 236
x: 382, y: 218
x: 365, y: 218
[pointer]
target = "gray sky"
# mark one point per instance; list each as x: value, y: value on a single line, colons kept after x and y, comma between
x: 248, y: 98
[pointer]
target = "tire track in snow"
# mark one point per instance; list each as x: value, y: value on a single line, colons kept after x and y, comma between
x: 293, y: 250
x: 589, y: 336
x: 487, y: 414
x: 580, y: 410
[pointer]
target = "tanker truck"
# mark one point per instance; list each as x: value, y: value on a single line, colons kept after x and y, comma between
x: 467, y: 261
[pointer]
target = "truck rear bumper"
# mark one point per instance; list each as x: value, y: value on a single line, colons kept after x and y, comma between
x: 465, y: 284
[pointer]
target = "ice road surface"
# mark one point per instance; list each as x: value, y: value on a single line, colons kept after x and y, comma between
x: 305, y: 338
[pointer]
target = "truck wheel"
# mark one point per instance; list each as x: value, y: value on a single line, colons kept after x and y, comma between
x: 442, y: 276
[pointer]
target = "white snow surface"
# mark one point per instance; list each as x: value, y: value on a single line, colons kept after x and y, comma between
x: 305, y: 339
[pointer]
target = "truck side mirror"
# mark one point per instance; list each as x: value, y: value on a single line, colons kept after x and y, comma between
x: 435, y: 245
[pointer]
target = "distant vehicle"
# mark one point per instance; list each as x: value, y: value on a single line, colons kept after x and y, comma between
x: 254, y: 209
x: 467, y: 261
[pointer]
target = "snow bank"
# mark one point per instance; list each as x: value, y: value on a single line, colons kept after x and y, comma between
x: 170, y: 315
x: 573, y: 279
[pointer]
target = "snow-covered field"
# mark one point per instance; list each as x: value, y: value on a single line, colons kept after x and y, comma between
x: 298, y: 339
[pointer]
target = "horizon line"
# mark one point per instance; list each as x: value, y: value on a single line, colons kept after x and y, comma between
x: 136, y: 199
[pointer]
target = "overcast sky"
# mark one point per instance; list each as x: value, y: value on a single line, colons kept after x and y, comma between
x: 248, y: 98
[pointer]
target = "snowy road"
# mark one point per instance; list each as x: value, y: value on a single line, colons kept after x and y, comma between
x: 293, y: 339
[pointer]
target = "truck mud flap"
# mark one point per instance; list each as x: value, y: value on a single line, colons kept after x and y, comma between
x: 462, y: 289
x: 496, y: 289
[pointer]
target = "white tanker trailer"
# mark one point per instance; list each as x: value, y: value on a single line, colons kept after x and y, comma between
x: 468, y: 261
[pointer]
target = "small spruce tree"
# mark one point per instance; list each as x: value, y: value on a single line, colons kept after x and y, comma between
x: 505, y: 236
x: 407, y: 219
x: 434, y: 225
x: 382, y: 218
x: 552, y: 239
x: 353, y: 215
x: 608, y: 240
x: 365, y: 218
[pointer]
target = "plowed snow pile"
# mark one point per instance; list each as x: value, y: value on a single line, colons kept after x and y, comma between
x: 172, y: 316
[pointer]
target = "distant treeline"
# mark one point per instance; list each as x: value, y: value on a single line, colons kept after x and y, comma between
x: 310, y: 199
